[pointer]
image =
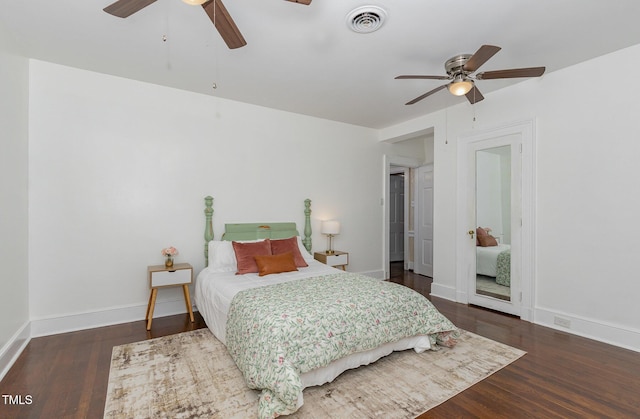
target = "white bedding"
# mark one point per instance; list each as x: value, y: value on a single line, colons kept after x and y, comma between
x: 487, y: 259
x: 215, y: 290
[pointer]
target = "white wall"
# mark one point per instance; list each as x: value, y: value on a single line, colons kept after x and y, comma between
x: 14, y: 303
x: 586, y: 192
x: 118, y: 170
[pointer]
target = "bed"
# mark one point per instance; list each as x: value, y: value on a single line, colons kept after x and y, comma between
x: 495, y: 261
x: 304, y: 326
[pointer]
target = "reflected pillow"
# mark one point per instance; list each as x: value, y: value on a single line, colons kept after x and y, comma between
x: 480, y: 232
x: 488, y: 241
x: 289, y: 245
x: 245, y: 253
x: 275, y: 264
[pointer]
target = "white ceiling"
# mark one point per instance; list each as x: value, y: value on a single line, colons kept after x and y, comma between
x: 304, y: 59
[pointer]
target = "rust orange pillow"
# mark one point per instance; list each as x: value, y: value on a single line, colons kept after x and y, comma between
x: 245, y: 253
x: 275, y: 264
x: 288, y: 245
x: 488, y: 241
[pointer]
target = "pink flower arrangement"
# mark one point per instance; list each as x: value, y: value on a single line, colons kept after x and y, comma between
x: 169, y: 251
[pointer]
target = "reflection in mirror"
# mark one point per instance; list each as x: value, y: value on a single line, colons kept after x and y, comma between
x: 493, y: 219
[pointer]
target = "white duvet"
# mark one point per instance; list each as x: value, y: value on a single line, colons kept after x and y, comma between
x: 487, y: 259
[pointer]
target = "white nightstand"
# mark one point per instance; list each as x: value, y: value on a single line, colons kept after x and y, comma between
x: 180, y: 274
x: 335, y: 259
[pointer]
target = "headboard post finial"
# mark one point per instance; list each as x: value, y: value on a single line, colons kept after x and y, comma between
x: 307, y: 225
x: 208, y: 227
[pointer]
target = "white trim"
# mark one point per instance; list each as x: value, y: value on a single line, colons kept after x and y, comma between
x: 388, y: 161
x: 610, y: 333
x: 13, y: 348
x: 526, y: 129
x: 116, y: 315
x: 379, y: 274
x: 443, y: 291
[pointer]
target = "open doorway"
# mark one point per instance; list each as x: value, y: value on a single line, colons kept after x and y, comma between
x: 398, y: 215
x: 401, y: 162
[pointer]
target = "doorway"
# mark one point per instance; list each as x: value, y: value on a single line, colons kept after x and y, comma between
x: 495, y: 233
x: 398, y: 215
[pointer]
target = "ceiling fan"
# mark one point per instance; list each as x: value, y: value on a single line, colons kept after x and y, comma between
x: 214, y: 8
x: 459, y: 71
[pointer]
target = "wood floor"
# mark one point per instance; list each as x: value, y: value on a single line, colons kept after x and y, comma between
x: 561, y: 376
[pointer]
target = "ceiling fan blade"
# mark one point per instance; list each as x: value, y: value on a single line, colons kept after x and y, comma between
x: 481, y: 56
x: 474, y: 95
x: 429, y: 93
x: 125, y: 8
x: 512, y: 73
x: 407, y: 77
x: 224, y: 24
x: 305, y: 2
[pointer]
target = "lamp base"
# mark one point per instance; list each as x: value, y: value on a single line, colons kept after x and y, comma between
x: 330, y: 251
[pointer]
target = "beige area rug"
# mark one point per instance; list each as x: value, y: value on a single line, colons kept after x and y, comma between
x: 191, y: 375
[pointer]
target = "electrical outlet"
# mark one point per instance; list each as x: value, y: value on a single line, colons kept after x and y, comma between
x: 562, y: 322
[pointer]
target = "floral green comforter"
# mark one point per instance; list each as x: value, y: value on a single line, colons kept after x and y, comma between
x: 503, y: 268
x: 277, y: 332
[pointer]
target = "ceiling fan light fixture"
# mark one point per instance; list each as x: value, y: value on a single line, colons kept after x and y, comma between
x: 195, y: 2
x: 460, y: 86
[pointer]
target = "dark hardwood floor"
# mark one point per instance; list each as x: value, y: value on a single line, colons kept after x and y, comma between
x: 561, y: 376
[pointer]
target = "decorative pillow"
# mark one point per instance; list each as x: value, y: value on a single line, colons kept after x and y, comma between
x: 488, y: 241
x: 480, y: 232
x: 222, y: 258
x: 275, y: 264
x: 289, y: 245
x: 303, y: 250
x: 245, y: 253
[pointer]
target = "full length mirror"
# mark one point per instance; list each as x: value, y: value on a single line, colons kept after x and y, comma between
x: 493, y: 218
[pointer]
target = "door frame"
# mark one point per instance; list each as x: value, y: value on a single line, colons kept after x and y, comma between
x: 388, y: 161
x: 394, y: 170
x: 526, y: 130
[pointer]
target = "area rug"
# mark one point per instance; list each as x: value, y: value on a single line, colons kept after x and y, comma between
x: 191, y: 375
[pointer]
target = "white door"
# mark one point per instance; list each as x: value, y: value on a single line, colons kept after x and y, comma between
x: 396, y: 217
x: 494, y: 199
x: 423, y: 260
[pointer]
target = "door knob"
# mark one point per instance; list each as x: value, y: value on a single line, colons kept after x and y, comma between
x: 471, y: 233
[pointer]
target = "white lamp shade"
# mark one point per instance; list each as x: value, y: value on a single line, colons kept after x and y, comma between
x: 330, y: 227
x: 195, y: 2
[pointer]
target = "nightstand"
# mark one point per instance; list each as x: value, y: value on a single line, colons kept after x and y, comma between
x: 335, y: 259
x: 180, y: 274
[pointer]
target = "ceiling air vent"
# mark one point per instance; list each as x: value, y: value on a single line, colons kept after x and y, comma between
x: 366, y: 19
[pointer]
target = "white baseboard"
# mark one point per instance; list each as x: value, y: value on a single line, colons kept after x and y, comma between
x: 12, y: 350
x: 443, y: 291
x: 89, y: 320
x: 374, y: 274
x: 613, y: 334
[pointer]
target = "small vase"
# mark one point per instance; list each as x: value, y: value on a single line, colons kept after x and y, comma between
x: 169, y: 262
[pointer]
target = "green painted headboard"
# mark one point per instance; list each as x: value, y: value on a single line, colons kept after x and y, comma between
x: 253, y: 231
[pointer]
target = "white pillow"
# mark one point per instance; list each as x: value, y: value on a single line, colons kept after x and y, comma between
x: 222, y: 258
x: 303, y: 250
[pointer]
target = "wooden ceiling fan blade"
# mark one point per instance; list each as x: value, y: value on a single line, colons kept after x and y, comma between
x: 411, y: 77
x: 474, y: 95
x: 512, y: 73
x: 481, y: 56
x: 429, y: 93
x: 305, y: 2
x: 224, y: 24
x: 125, y: 8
